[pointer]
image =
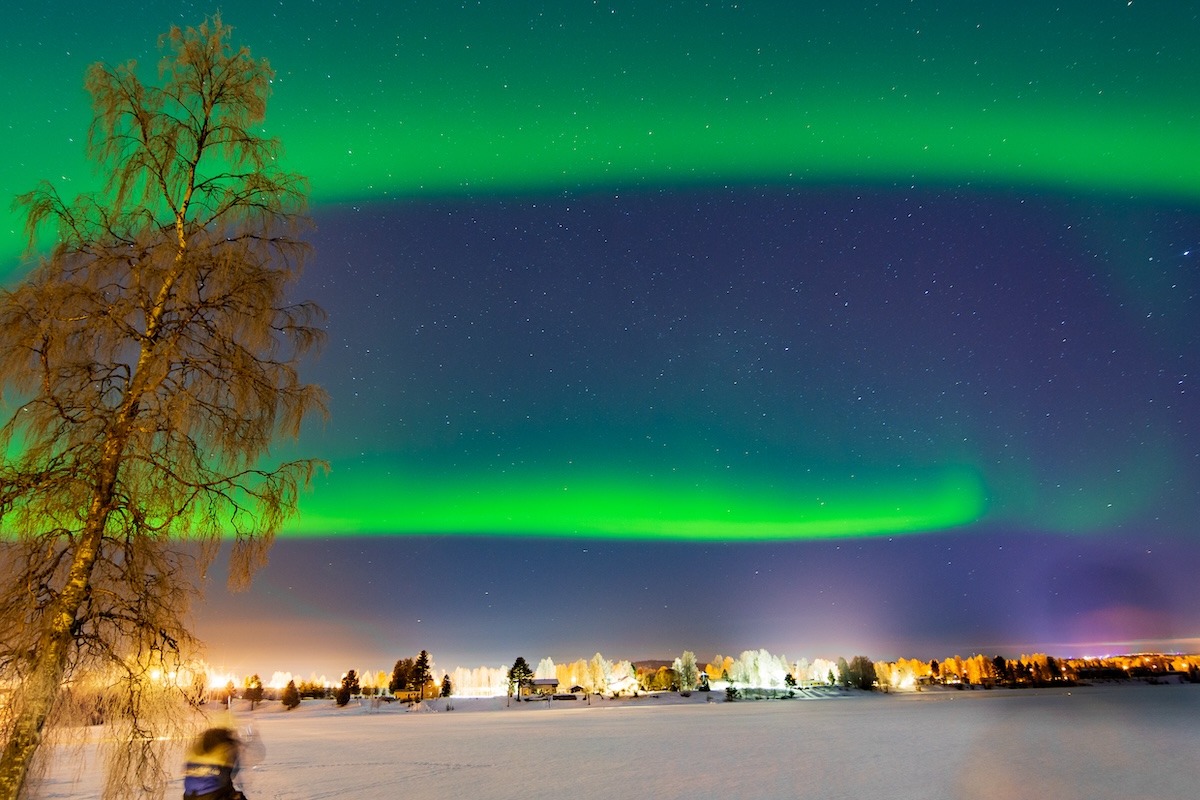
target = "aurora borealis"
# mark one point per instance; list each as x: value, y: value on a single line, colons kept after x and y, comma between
x: 782, y: 312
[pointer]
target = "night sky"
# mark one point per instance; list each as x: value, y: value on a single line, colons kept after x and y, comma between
x: 717, y: 326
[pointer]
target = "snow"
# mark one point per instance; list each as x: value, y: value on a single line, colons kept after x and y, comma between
x: 1083, y: 742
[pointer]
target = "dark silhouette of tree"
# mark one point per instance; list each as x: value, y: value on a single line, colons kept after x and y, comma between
x: 934, y: 668
x: 1003, y: 673
x: 861, y: 672
x: 147, y: 364
x: 401, y: 675
x: 312, y: 690
x: 421, y: 674
x: 291, y: 696
x: 789, y: 681
x: 348, y: 689
x: 254, y: 691
x: 447, y: 687
x: 519, y: 675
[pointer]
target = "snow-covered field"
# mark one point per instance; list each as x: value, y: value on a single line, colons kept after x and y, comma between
x: 1087, y: 742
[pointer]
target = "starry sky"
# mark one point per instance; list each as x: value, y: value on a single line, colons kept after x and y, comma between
x: 715, y: 326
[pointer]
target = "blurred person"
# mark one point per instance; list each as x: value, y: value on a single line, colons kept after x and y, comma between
x: 212, y: 763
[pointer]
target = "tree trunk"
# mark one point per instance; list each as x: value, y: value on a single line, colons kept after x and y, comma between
x: 37, y: 694
x: 40, y: 690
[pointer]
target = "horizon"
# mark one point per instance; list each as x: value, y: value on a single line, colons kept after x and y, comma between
x: 217, y: 679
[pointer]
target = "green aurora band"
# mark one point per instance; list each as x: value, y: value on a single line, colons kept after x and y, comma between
x: 624, y: 508
x: 394, y: 102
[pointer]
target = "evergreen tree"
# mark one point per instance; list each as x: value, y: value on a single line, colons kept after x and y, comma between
x: 348, y: 689
x: 447, y: 687
x: 254, y: 691
x: 519, y: 675
x: 291, y: 696
x: 421, y: 674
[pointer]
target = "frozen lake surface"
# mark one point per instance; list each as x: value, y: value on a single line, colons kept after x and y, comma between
x: 1085, y: 742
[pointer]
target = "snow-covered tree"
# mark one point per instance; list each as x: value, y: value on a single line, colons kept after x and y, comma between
x: 622, y: 678
x: 480, y: 681
x: 600, y: 671
x: 759, y: 669
x: 686, y: 671
x: 820, y: 670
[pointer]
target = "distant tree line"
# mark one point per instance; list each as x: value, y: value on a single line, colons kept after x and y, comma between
x: 753, y: 674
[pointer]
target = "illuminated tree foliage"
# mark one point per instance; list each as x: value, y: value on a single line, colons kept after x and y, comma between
x: 254, y: 691
x: 599, y: 672
x: 148, y: 363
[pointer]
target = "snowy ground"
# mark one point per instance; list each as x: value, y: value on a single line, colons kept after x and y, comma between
x: 1089, y: 742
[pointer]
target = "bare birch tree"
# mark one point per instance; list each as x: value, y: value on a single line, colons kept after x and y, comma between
x: 148, y: 363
